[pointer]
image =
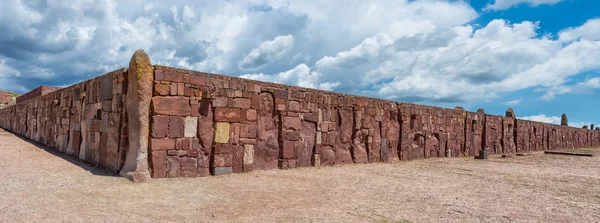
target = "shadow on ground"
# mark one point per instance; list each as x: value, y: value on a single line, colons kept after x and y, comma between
x: 93, y: 169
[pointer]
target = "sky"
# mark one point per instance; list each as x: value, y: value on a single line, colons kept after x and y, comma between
x: 539, y: 57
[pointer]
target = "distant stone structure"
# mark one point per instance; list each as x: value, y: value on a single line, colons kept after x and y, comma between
x: 156, y: 121
x: 563, y: 120
x: 6, y: 99
x: 42, y: 90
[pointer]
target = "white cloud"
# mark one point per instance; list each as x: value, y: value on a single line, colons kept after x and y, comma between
x: 513, y: 102
x: 459, y: 64
x: 590, y: 30
x: 543, y: 118
x: 506, y: 4
x: 553, y: 120
x: 266, y: 52
x: 55, y: 42
x: 300, y: 75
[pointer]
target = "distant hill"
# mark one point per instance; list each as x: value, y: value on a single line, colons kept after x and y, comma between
x: 7, y: 98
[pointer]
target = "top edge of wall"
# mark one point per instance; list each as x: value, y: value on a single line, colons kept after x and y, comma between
x: 291, y: 87
x: 61, y: 89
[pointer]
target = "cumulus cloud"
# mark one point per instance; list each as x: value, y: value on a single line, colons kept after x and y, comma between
x: 266, y: 52
x: 300, y: 75
x: 460, y: 64
x: 506, y: 4
x: 417, y: 51
x: 61, y: 42
x: 590, y: 31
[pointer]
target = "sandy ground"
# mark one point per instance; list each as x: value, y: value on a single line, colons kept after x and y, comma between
x: 39, y: 186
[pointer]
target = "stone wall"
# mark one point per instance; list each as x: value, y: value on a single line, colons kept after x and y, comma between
x: 84, y: 120
x: 207, y: 124
x: 180, y: 123
x: 42, y: 90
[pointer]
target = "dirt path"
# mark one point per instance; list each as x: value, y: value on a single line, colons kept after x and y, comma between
x: 36, y: 185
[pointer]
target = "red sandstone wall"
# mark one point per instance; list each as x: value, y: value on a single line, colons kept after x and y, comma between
x: 42, y: 90
x: 84, y: 120
x: 205, y: 124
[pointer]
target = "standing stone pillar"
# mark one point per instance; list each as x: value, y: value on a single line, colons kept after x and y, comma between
x: 139, y: 95
x: 563, y: 120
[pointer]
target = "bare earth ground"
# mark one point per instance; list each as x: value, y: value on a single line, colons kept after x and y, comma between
x: 36, y: 185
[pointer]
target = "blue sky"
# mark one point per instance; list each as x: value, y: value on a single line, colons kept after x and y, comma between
x: 540, y: 57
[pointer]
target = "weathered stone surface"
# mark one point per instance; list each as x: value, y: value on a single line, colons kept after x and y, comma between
x: 228, y: 115
x: 564, y: 121
x: 266, y: 150
x: 159, y: 164
x: 327, y: 155
x: 251, y: 115
x: 162, y: 144
x: 191, y: 127
x: 248, y: 154
x: 359, y: 148
x: 270, y: 126
x: 189, y: 167
x: 222, y: 132
x: 173, y: 166
x: 306, y: 144
x: 343, y: 136
x: 176, y: 127
x: 223, y: 170
x: 178, y: 106
x: 292, y: 123
x: 139, y: 94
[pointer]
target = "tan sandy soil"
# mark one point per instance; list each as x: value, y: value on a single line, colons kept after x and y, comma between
x: 39, y: 186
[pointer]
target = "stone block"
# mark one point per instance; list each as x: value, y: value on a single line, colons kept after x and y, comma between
x: 179, y: 106
x: 292, y: 123
x: 251, y: 115
x: 293, y: 106
x: 173, y: 89
x: 107, y: 105
x: 191, y: 127
x: 222, y: 132
x: 223, y: 160
x: 291, y: 135
x: 176, y: 127
x: 241, y: 103
x: 197, y: 80
x: 180, y: 89
x: 288, y: 150
x: 248, y: 154
x: 220, y: 102
x: 228, y: 115
x: 223, y: 170
x: 162, y: 144
x: 248, y: 131
x: 162, y: 89
x: 160, y: 126
x: 159, y: 164
x: 173, y: 166
x: 189, y: 167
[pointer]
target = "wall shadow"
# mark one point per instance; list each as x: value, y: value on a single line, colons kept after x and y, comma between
x: 95, y: 170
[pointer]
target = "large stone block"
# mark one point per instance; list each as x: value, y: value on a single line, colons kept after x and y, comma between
x: 176, y: 127
x: 178, y: 106
x: 228, y: 115
x: 160, y: 126
x: 292, y: 123
x: 162, y: 144
x: 159, y: 164
x: 191, y: 127
x: 222, y: 132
